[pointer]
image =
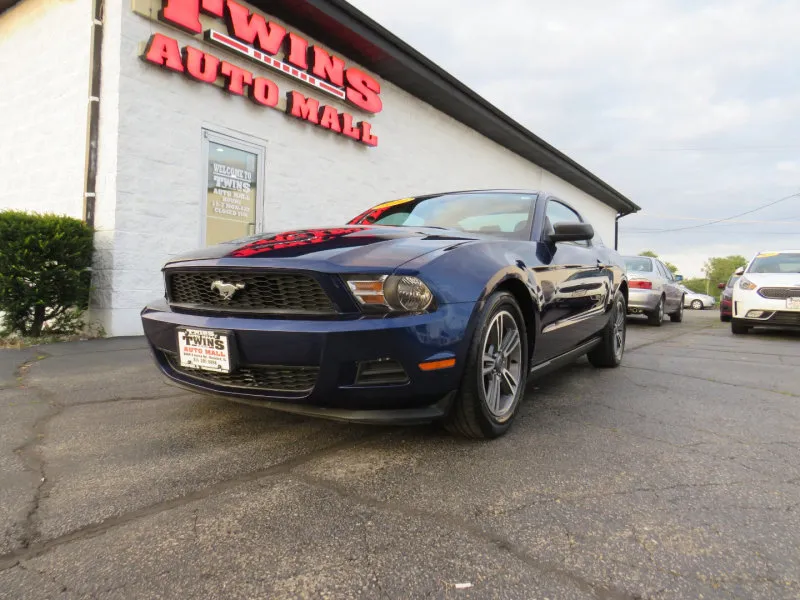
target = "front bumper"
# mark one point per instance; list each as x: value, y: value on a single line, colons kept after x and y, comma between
x: 329, y: 354
x: 776, y: 312
x: 642, y: 300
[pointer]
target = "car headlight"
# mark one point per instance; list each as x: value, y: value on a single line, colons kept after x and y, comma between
x: 380, y: 293
x: 746, y: 284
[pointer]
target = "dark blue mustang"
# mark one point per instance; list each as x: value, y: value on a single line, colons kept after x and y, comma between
x: 437, y: 307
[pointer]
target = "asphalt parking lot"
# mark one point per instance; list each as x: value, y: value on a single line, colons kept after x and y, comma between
x: 675, y: 476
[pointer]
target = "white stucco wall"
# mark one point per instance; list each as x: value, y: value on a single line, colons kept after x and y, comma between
x: 313, y: 177
x: 44, y: 69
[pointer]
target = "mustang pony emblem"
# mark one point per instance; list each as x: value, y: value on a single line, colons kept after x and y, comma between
x: 226, y: 290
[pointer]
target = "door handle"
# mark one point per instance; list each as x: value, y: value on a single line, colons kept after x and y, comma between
x: 601, y: 265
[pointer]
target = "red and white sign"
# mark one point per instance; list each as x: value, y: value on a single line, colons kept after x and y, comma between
x: 252, y: 35
x: 165, y: 51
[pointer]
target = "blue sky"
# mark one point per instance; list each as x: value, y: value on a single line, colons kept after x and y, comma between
x: 689, y: 107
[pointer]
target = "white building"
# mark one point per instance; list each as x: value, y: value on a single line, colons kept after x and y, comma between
x: 168, y: 124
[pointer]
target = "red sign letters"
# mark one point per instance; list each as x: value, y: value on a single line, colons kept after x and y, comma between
x: 201, y: 66
x: 268, y: 38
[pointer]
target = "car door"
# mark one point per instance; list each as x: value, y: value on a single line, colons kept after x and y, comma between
x: 575, y: 286
x: 671, y: 289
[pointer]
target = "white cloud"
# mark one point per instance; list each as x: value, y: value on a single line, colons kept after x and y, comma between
x: 689, y: 107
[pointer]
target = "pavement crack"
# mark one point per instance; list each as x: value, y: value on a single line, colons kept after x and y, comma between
x: 485, y: 535
x: 35, y: 548
x: 21, y: 372
x: 709, y: 380
x: 668, y: 338
x: 31, y: 455
x: 124, y: 399
x: 62, y: 588
x: 640, y: 541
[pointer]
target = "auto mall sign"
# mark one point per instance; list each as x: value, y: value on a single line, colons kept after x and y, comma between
x: 254, y: 38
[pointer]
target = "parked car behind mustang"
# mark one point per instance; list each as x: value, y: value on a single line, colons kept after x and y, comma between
x: 726, y: 298
x: 654, y: 290
x: 768, y: 292
x: 696, y: 300
x: 428, y: 308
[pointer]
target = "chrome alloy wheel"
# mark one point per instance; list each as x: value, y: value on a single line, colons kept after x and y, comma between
x: 502, y: 365
x: 620, y: 324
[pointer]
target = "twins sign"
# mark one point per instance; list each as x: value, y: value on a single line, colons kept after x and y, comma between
x: 252, y: 37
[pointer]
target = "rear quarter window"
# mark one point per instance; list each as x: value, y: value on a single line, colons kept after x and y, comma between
x: 639, y: 264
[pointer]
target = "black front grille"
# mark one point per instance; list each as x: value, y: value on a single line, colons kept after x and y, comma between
x: 253, y: 291
x: 268, y: 378
x: 783, y: 317
x: 777, y: 293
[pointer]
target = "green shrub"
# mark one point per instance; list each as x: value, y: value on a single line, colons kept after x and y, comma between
x: 45, y: 272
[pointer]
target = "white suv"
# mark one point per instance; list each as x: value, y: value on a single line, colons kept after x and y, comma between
x: 768, y: 293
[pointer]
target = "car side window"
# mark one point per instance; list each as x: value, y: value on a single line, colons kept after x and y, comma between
x: 667, y: 273
x: 557, y: 212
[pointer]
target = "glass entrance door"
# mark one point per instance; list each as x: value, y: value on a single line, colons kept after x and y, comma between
x: 233, y: 194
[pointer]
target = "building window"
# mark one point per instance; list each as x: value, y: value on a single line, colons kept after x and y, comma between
x: 233, y: 194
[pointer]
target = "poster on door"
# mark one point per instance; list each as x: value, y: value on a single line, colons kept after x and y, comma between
x: 232, y: 188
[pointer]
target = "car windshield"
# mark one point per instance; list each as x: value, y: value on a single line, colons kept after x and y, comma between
x: 776, y: 262
x: 503, y: 214
x: 639, y: 263
x: 732, y: 280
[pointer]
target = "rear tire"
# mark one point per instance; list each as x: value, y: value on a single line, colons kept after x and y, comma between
x: 656, y: 318
x: 724, y: 318
x: 697, y: 305
x: 677, y: 316
x: 739, y: 328
x: 608, y: 354
x: 488, y: 400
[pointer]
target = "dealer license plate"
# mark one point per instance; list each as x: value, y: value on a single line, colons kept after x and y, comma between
x: 204, y: 349
x: 793, y: 303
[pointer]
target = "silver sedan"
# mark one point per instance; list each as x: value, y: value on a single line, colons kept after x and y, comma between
x: 653, y: 290
x: 696, y: 300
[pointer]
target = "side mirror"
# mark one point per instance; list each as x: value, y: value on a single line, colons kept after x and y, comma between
x: 571, y: 232
x: 720, y: 286
x: 739, y: 271
x: 678, y: 277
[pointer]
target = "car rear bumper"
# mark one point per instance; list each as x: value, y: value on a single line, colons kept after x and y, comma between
x: 326, y: 368
x: 726, y: 307
x: 642, y: 300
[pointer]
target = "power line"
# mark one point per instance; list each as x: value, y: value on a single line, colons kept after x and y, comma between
x: 674, y: 218
x: 795, y: 195
x: 726, y: 232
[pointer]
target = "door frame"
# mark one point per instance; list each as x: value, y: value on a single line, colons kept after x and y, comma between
x: 239, y: 141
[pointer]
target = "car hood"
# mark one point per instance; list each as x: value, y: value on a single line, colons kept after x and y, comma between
x: 774, y: 279
x: 333, y: 247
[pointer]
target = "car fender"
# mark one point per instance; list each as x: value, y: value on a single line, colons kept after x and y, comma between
x: 472, y: 272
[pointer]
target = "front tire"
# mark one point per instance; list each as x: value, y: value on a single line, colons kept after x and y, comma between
x: 724, y: 318
x: 656, y: 318
x: 608, y: 354
x: 677, y: 316
x: 697, y: 304
x: 738, y: 328
x: 494, y: 378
